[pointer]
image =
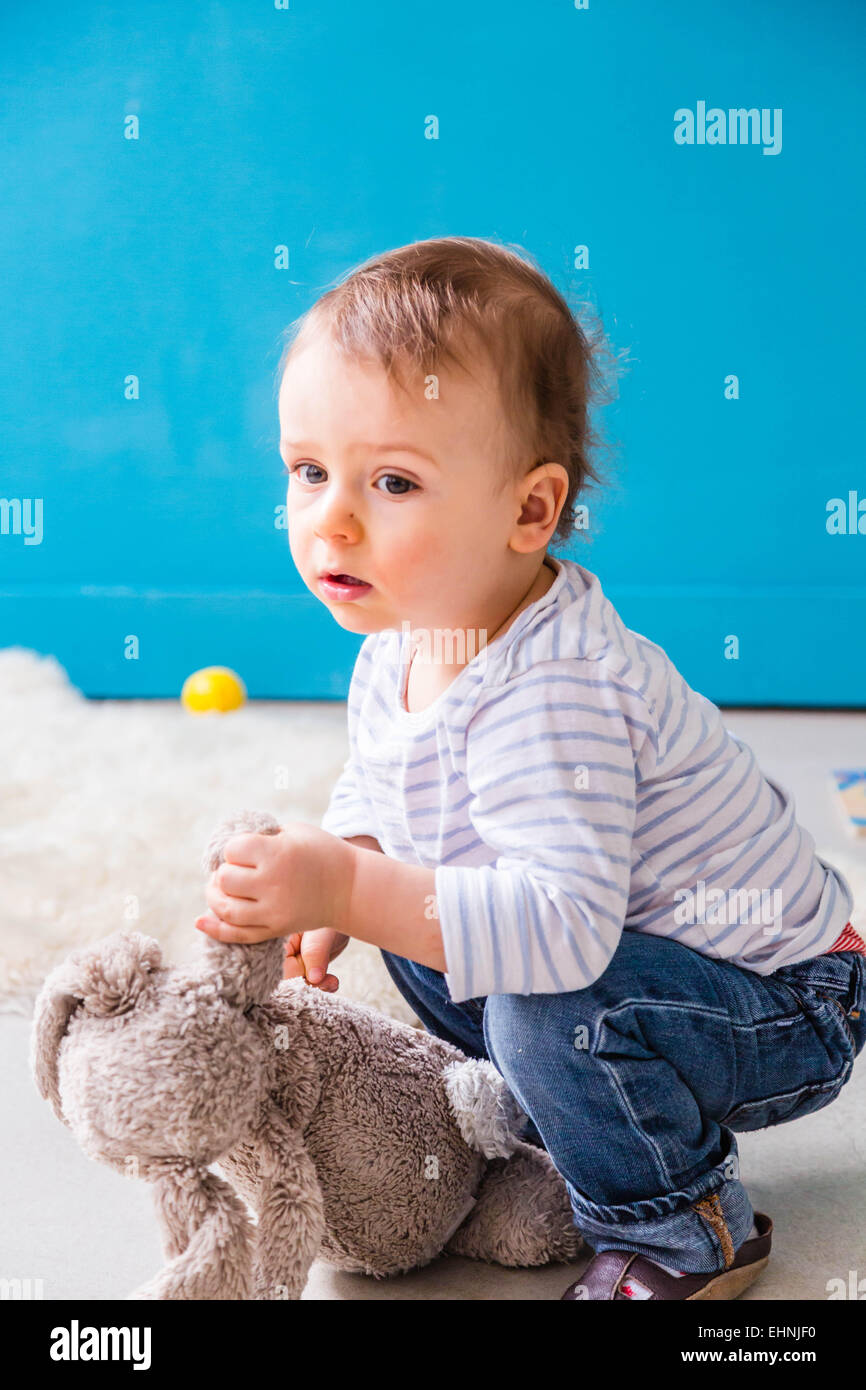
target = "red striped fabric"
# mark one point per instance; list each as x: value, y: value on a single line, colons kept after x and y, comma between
x: 848, y: 941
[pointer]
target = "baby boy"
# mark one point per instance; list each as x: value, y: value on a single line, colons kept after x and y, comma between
x: 570, y: 866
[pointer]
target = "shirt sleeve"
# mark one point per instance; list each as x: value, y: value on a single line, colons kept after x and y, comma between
x: 348, y: 812
x: 552, y: 767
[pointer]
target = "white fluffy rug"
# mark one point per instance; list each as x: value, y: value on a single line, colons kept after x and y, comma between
x: 107, y: 805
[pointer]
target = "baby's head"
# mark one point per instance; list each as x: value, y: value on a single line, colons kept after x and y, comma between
x: 435, y: 418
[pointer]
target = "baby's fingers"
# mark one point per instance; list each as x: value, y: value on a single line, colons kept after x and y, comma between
x: 293, y: 966
x: 330, y: 984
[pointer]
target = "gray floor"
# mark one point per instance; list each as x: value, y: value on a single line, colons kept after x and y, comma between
x: 88, y: 1233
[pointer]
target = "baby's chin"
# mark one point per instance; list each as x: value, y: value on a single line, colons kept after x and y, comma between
x: 352, y: 617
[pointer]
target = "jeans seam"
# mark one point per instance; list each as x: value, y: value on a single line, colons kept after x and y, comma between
x: 709, y: 1209
x: 812, y: 1089
x: 795, y: 995
x: 653, y: 1146
x: 831, y: 1000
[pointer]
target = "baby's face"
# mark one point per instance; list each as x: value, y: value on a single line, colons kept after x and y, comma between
x: 395, y: 489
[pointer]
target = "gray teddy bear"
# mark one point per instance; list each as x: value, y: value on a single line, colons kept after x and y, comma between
x: 353, y: 1137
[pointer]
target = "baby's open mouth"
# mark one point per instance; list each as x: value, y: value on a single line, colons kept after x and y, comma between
x: 344, y: 586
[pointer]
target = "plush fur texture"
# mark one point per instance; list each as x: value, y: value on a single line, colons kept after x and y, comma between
x: 353, y: 1137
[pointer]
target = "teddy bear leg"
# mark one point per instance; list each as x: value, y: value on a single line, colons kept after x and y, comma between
x: 522, y: 1215
x: 291, y: 1218
x: 207, y: 1238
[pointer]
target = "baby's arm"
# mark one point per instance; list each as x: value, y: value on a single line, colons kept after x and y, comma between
x: 552, y: 761
x: 310, y: 953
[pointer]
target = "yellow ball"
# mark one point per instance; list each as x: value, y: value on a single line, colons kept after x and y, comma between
x: 214, y: 690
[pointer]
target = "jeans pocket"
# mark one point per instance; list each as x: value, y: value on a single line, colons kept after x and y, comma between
x: 843, y: 1016
x: 826, y: 1018
x: 834, y: 984
x: 788, y: 1105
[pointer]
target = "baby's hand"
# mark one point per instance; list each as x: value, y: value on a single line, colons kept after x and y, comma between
x: 309, y: 953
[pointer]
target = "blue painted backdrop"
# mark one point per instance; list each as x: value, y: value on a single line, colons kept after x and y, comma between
x: 304, y: 127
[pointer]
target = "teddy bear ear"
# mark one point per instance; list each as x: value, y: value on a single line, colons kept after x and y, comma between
x: 104, y: 979
x: 246, y: 974
x: 56, y: 1003
x: 239, y: 823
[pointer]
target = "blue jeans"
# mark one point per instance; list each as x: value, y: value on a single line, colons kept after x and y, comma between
x: 635, y: 1084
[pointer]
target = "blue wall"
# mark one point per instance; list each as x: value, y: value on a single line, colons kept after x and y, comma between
x: 305, y: 127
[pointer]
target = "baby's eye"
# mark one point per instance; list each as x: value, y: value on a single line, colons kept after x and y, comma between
x: 295, y: 466
x: 396, y: 478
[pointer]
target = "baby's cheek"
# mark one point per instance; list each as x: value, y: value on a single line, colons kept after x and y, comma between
x: 421, y: 550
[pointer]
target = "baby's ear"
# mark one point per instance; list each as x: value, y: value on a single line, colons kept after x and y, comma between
x: 240, y: 823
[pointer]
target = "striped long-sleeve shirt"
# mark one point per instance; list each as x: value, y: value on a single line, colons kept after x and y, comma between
x: 569, y: 783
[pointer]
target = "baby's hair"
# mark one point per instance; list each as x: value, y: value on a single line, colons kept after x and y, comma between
x: 435, y: 301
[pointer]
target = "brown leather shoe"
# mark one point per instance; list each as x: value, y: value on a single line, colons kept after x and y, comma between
x: 612, y: 1274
